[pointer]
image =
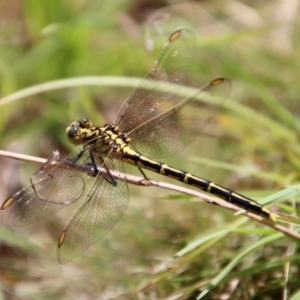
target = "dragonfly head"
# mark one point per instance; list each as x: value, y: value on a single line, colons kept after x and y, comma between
x: 78, y: 130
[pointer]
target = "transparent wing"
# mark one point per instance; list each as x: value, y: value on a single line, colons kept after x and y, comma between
x: 102, y: 207
x: 172, y: 66
x: 171, y: 131
x: 52, y: 187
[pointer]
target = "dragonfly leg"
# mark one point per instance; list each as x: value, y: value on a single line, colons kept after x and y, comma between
x: 143, y: 173
x: 110, y: 178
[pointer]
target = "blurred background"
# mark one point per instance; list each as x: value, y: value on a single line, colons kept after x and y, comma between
x: 251, y: 145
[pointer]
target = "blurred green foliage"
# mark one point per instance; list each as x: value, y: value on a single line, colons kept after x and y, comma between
x: 256, y: 133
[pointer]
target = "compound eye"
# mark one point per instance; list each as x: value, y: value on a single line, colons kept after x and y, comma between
x: 72, y: 131
x: 86, y: 123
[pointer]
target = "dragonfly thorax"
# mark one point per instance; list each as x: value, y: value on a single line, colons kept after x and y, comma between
x: 108, y: 136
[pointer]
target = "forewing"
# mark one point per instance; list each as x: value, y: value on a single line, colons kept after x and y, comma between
x: 173, y: 130
x: 172, y: 66
x: 51, y: 188
x: 102, y: 207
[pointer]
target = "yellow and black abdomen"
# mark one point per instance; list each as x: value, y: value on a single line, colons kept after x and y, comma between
x: 134, y: 158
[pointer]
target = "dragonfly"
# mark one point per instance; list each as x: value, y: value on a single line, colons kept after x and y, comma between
x: 151, y: 124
